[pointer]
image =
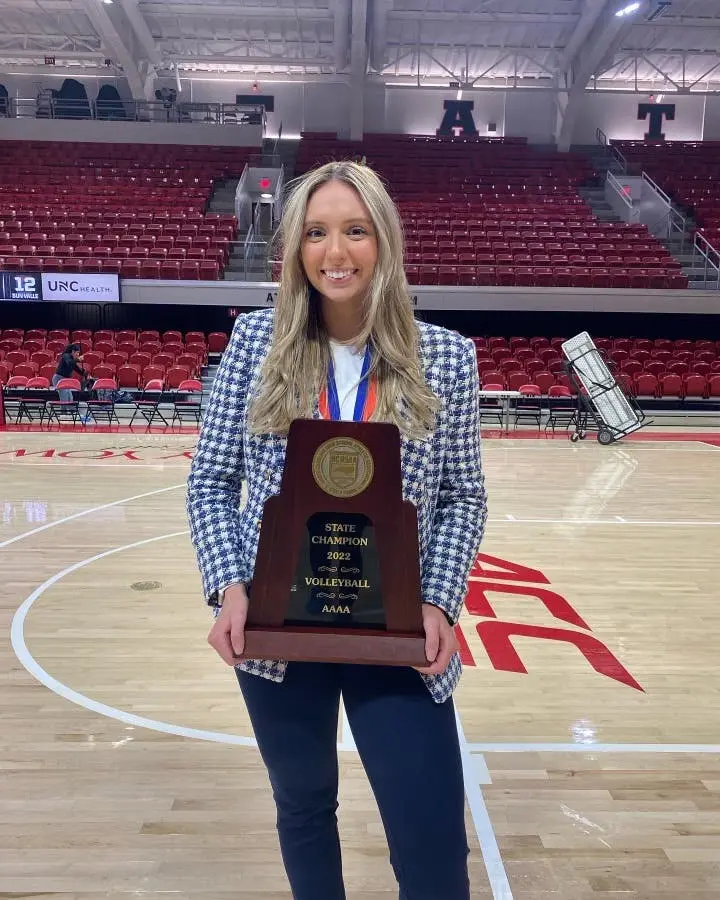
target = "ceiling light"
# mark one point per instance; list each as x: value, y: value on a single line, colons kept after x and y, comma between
x: 627, y: 10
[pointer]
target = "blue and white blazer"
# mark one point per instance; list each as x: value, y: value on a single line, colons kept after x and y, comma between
x: 442, y: 477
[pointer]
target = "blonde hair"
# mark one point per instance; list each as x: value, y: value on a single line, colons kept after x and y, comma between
x: 295, y: 369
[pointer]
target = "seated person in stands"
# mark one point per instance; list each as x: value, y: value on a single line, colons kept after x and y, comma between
x: 67, y: 367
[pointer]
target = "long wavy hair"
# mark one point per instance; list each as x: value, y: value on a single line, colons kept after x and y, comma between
x: 295, y: 369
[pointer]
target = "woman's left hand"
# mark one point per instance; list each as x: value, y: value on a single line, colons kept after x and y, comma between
x: 440, y: 640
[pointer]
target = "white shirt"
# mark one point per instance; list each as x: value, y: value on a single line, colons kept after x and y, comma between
x: 347, y: 363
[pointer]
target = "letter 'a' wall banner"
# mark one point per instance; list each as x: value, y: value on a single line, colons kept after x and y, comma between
x: 57, y: 286
x: 457, y: 117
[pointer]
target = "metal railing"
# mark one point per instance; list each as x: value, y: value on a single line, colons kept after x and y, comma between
x: 241, y: 199
x: 677, y: 224
x: 279, y: 197
x: 704, y: 250
x: 618, y: 193
x: 612, y: 150
x: 154, y: 111
x: 276, y: 145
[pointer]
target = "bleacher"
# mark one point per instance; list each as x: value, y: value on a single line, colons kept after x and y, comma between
x: 654, y: 369
x: 136, y: 210
x: 688, y: 171
x: 131, y: 358
x: 499, y: 212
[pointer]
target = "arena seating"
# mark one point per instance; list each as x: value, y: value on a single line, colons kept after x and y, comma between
x: 655, y: 369
x: 499, y: 212
x: 659, y: 368
x: 689, y: 171
x: 138, y: 210
x: 130, y: 357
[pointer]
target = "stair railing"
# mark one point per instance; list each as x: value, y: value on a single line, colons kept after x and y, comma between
x: 705, y: 252
x: 612, y: 150
x: 617, y: 198
x: 241, y: 198
x: 277, y: 141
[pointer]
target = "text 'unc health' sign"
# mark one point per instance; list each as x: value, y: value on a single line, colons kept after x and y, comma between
x: 71, y: 286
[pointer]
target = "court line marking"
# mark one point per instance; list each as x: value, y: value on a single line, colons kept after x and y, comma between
x: 130, y: 466
x: 550, y: 747
x: 497, y: 876
x: 679, y: 523
x: 494, y: 865
x: 17, y: 639
x: 347, y: 741
x: 86, y: 512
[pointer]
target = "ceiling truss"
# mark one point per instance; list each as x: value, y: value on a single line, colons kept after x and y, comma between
x: 546, y: 44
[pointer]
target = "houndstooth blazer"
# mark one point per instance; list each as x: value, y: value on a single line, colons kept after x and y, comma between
x: 442, y: 477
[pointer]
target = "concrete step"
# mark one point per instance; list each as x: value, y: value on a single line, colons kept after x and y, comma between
x: 245, y: 276
x: 222, y: 199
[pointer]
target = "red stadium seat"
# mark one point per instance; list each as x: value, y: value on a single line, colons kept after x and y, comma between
x: 695, y: 386
x: 671, y: 386
x: 217, y: 341
x: 714, y: 386
x: 646, y: 385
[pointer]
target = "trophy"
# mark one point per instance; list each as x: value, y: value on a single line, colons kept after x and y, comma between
x: 337, y: 573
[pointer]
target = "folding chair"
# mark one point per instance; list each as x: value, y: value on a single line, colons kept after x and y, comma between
x: 491, y: 407
x: 529, y: 405
x: 12, y: 397
x: 32, y: 406
x: 188, y: 410
x: 64, y: 410
x: 148, y: 404
x: 562, y: 408
x: 103, y: 409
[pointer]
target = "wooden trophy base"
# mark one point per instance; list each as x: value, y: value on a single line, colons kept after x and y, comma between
x: 335, y: 645
x: 339, y: 540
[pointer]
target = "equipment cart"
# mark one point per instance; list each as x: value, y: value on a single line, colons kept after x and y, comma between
x: 602, y: 404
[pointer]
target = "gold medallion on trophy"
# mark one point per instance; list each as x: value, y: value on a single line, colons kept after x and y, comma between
x: 342, y: 467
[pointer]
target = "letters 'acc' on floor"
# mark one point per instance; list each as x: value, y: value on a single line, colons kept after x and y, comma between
x: 589, y: 704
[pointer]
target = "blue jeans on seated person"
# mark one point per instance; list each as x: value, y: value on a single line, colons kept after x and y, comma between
x: 409, y: 747
x: 65, y: 396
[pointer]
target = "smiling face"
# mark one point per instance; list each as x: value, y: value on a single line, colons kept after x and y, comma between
x: 339, y: 246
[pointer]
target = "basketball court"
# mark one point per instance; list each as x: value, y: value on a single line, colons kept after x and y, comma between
x: 589, y: 707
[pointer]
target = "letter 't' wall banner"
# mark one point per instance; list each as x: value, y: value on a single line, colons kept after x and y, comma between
x: 458, y: 114
x: 655, y: 112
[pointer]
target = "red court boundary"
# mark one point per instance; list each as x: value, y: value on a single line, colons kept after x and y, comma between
x: 705, y: 437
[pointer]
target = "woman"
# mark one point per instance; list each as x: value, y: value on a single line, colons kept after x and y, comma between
x: 67, y: 367
x: 342, y: 342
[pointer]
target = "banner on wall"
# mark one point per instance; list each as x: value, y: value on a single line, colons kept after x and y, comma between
x: 656, y: 112
x: 57, y: 286
x: 71, y: 286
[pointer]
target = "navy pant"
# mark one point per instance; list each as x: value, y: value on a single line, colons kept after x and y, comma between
x: 409, y: 747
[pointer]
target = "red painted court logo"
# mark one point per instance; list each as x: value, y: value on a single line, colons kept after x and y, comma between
x: 491, y: 575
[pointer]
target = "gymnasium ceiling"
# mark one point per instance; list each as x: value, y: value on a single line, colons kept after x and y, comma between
x: 662, y: 47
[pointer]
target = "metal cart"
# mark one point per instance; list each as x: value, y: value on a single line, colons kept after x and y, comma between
x: 602, y: 404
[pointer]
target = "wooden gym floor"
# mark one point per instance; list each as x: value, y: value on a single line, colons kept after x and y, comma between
x: 589, y: 706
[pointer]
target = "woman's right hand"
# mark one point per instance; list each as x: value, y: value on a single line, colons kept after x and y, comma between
x: 227, y: 636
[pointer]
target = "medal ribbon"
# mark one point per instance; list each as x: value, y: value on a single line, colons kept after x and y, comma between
x: 365, y: 400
